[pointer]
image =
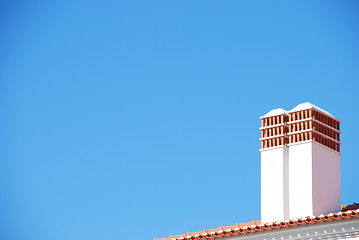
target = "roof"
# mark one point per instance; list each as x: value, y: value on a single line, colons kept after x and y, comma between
x: 348, y: 211
x: 308, y: 105
x: 275, y: 112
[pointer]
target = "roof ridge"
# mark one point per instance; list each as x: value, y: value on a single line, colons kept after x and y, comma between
x: 255, y: 226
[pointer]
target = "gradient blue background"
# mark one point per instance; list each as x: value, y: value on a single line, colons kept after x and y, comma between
x: 139, y: 119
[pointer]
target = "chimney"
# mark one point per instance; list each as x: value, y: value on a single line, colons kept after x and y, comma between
x: 314, y: 161
x: 300, y: 163
x: 274, y: 166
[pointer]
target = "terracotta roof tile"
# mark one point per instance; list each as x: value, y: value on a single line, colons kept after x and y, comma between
x: 348, y: 211
x: 353, y: 206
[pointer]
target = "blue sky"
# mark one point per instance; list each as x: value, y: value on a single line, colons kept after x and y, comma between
x: 139, y: 119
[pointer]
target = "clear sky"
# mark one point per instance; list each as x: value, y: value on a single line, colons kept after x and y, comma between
x: 139, y: 119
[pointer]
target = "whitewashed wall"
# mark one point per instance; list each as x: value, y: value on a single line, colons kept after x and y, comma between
x: 274, y: 184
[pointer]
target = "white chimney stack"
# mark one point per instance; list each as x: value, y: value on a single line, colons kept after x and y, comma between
x: 274, y: 166
x: 300, y: 163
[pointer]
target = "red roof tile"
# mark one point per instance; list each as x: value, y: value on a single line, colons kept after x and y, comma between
x: 348, y: 211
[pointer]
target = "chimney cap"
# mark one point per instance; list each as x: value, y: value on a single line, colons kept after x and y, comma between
x: 308, y: 105
x: 275, y: 112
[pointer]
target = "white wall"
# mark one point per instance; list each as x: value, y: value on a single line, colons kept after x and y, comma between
x: 300, y: 180
x: 326, y: 180
x: 314, y: 180
x: 274, y: 184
